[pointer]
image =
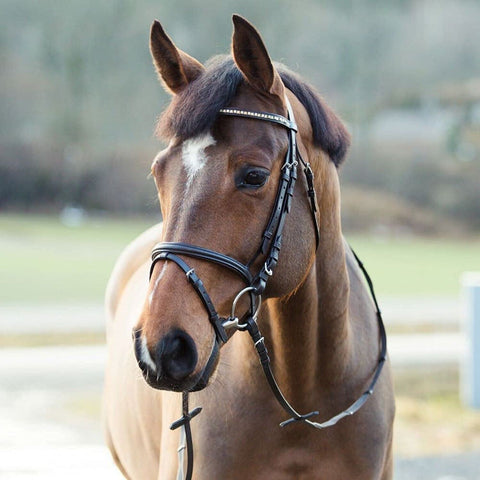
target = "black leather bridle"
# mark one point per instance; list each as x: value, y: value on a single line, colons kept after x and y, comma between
x: 255, y: 284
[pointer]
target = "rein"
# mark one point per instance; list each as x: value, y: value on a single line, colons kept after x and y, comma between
x: 255, y: 285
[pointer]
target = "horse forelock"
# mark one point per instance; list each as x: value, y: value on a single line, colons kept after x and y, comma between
x: 194, y: 111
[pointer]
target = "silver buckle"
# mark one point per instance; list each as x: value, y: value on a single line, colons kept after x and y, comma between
x: 231, y: 323
x: 268, y: 271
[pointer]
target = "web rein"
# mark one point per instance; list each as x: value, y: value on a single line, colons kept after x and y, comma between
x: 255, y: 285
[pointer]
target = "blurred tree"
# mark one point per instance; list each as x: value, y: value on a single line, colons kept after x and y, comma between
x: 77, y: 76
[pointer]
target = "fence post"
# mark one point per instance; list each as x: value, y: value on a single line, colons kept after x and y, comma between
x: 470, y: 373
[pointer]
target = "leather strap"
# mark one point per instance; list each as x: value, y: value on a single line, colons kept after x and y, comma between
x: 202, y: 254
x: 197, y: 284
x: 184, y: 422
x: 307, y: 170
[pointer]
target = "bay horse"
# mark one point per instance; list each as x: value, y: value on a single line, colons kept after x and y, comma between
x: 237, y: 227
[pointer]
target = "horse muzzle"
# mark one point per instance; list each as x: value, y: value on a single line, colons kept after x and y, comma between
x: 172, y: 364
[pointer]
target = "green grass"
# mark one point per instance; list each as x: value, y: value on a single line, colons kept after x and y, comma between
x: 44, y: 261
x: 412, y: 266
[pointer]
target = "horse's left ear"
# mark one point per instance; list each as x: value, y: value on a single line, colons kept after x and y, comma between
x: 252, y: 59
x: 175, y: 68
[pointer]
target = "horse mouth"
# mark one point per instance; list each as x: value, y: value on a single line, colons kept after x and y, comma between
x: 160, y: 381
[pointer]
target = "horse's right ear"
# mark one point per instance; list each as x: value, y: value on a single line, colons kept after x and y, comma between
x: 175, y: 68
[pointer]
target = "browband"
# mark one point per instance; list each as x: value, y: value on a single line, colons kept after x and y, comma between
x: 267, y: 117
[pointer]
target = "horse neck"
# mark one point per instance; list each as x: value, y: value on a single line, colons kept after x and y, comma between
x: 309, y: 329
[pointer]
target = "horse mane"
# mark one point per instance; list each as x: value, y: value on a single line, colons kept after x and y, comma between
x: 195, y: 109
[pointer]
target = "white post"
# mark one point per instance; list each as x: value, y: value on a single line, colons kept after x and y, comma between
x: 470, y: 374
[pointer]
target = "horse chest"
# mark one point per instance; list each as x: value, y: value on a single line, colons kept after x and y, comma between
x: 252, y: 445
x: 239, y: 438
x: 260, y: 457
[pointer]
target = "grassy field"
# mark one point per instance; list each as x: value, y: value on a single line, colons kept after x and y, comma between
x: 44, y: 260
x: 412, y: 266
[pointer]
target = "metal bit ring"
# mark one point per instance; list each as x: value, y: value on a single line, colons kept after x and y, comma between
x: 232, y: 321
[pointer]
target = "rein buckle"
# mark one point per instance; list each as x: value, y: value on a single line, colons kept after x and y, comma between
x: 232, y: 322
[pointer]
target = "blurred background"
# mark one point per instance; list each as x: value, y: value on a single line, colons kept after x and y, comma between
x: 79, y: 100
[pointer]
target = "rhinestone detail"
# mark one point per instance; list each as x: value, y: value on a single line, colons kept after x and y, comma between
x: 270, y: 117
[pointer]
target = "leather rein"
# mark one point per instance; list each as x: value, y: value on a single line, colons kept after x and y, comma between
x: 255, y: 285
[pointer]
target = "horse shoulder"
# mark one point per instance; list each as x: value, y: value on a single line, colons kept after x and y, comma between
x: 132, y: 410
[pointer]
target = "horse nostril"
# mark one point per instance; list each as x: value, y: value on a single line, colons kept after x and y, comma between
x: 176, y: 355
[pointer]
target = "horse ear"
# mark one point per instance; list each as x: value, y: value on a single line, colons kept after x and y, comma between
x: 175, y: 68
x: 252, y: 59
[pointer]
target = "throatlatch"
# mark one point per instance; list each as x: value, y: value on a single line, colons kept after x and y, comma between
x: 255, y: 286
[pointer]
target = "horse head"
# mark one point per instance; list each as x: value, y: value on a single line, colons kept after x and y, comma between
x: 218, y: 185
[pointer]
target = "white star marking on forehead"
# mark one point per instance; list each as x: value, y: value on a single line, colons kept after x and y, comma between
x: 193, y: 155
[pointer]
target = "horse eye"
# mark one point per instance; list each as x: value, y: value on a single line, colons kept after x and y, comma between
x: 253, y: 178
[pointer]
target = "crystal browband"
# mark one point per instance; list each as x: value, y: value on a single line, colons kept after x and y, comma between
x: 268, y: 117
